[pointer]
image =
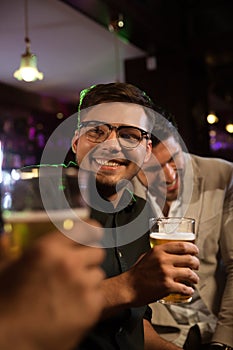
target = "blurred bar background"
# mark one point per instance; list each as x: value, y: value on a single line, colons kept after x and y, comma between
x: 180, y: 52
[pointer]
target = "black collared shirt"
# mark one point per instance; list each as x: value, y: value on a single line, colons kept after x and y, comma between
x: 129, y: 225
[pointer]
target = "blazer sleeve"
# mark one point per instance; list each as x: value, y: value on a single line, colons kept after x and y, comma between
x: 224, y: 329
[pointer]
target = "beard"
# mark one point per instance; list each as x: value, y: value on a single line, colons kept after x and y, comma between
x: 107, y: 188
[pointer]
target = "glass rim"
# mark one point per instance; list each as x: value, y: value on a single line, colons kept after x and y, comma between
x: 173, y: 219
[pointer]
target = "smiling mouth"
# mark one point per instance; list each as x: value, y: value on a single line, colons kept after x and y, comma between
x: 110, y: 163
x: 173, y: 185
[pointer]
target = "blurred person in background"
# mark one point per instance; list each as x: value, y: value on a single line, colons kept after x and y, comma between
x: 206, y: 322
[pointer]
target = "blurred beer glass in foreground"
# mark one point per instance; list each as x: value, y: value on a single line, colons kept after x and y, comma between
x: 172, y: 229
x: 38, y: 200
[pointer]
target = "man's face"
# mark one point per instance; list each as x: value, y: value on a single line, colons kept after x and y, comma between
x: 110, y: 161
x: 163, y: 173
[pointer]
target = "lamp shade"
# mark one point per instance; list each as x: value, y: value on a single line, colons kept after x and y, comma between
x: 28, y: 68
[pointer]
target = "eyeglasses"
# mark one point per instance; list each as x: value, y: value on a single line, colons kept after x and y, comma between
x: 128, y: 136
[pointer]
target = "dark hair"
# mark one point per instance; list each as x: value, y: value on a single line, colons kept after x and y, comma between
x: 164, y: 126
x: 162, y: 122
x: 115, y: 92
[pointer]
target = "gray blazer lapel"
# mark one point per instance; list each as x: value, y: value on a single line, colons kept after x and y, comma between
x: 195, y: 205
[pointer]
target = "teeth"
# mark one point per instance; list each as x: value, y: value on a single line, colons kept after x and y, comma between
x: 172, y: 184
x: 106, y: 162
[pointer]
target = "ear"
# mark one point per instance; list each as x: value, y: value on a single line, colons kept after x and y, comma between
x: 148, y: 151
x: 75, y: 141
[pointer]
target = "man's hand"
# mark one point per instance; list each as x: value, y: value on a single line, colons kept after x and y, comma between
x: 51, y: 296
x: 155, y: 275
x: 158, y: 272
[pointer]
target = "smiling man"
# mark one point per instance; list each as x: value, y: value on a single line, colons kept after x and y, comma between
x: 207, y: 322
x: 112, y: 142
x: 123, y: 146
x: 167, y: 170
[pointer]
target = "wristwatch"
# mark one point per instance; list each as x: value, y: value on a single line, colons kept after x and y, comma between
x: 219, y: 346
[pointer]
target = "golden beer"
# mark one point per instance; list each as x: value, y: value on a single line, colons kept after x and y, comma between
x: 164, y: 230
x: 22, y: 228
x: 38, y: 200
x: 157, y: 238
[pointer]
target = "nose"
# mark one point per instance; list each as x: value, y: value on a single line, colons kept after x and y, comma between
x: 112, y: 141
x: 112, y: 133
x: 169, y: 172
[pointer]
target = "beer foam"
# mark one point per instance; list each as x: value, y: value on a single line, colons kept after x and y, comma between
x: 177, y: 236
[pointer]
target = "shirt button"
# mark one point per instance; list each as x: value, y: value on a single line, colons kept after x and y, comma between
x: 119, y: 254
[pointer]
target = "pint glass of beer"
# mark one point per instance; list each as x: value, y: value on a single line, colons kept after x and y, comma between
x: 172, y: 229
x: 35, y: 201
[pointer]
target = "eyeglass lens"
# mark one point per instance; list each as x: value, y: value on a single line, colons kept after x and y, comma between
x: 128, y: 136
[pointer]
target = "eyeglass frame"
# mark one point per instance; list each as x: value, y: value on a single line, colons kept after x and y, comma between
x: 144, y: 134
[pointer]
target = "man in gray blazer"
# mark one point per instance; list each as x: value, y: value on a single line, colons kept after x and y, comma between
x: 179, y: 184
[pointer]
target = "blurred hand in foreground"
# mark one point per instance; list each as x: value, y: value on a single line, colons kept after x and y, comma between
x: 51, y: 296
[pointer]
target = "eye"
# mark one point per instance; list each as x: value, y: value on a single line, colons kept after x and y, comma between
x: 130, y: 134
x: 97, y: 131
x: 174, y: 158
